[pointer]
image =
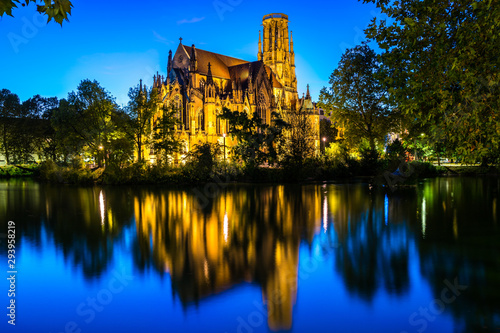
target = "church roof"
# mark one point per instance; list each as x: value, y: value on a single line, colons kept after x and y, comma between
x: 243, y: 71
x: 219, y: 62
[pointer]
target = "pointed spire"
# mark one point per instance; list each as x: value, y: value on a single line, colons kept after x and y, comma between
x: 250, y: 83
x: 259, y: 55
x: 210, y: 79
x: 140, y: 85
x: 169, y: 64
x: 194, y: 59
x: 308, y: 95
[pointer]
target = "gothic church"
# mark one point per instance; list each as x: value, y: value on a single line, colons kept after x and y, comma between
x: 200, y: 83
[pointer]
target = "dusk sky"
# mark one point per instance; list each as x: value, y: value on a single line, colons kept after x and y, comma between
x: 117, y: 43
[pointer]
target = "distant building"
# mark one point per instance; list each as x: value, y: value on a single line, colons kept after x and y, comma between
x: 200, y: 83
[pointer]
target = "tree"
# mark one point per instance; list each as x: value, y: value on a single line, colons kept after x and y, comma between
x: 88, y: 117
x: 256, y: 140
x: 54, y: 9
x: 9, y: 109
x: 201, y: 160
x: 328, y: 131
x: 143, y: 104
x: 298, y: 142
x: 166, y: 142
x: 446, y: 69
x: 357, y: 98
x: 35, y: 133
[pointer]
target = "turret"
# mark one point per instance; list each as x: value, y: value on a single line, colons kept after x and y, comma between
x: 169, y: 64
x: 259, y: 55
x: 194, y: 60
x: 209, y: 86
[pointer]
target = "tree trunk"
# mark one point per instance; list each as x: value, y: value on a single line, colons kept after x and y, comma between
x: 372, y: 144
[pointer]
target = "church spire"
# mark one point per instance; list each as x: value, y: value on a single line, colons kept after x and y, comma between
x: 308, y: 95
x: 210, y: 79
x: 194, y: 59
x: 259, y: 55
x: 169, y: 64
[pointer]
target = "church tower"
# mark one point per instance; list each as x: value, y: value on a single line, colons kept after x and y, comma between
x: 277, y: 52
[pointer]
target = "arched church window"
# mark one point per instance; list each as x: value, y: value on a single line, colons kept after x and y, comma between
x: 262, y: 108
x: 201, y: 121
x: 218, y: 123
x: 202, y: 84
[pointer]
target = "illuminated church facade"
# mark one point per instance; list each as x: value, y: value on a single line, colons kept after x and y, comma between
x: 200, y: 84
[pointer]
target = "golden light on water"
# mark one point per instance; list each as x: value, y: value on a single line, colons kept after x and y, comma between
x: 325, y: 214
x: 101, y: 206
x: 226, y: 227
x: 424, y: 223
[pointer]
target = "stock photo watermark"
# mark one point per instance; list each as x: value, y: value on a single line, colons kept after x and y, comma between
x: 264, y: 309
x: 224, y: 6
x: 11, y: 271
x: 421, y: 318
x: 29, y: 30
x: 88, y: 309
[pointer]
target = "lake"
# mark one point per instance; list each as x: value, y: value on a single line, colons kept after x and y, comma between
x: 253, y: 258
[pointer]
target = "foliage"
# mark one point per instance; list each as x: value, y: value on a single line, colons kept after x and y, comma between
x: 201, y: 161
x: 357, y: 98
x: 141, y: 107
x: 446, y: 70
x: 86, y: 120
x: 338, y: 152
x: 54, y: 9
x: 256, y: 140
x: 9, y: 108
x: 298, y: 142
x: 75, y: 173
x: 23, y: 170
x: 166, y: 142
x: 327, y: 131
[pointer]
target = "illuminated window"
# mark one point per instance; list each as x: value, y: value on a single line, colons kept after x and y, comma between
x: 201, y: 121
x: 261, y: 108
x: 218, y: 123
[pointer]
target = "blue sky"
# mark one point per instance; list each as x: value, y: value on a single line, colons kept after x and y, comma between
x: 118, y: 42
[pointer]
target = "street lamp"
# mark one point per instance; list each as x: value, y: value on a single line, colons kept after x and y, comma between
x: 324, y: 144
x: 99, y: 156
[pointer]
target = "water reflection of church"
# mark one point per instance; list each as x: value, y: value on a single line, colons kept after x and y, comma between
x: 207, y: 250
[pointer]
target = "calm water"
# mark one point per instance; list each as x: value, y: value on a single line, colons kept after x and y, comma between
x: 245, y: 259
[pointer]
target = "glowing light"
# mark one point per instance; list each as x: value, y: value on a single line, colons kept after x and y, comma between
x: 205, y: 269
x: 386, y: 209
x: 101, y: 206
x: 424, y: 212
x: 226, y: 227
x: 325, y: 215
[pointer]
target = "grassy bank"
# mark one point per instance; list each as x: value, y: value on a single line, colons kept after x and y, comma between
x: 380, y: 172
x: 23, y: 170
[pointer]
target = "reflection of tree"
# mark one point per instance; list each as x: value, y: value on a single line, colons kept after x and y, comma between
x: 462, y: 241
x: 252, y: 234
x: 371, y: 254
x: 249, y: 234
x: 80, y: 220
